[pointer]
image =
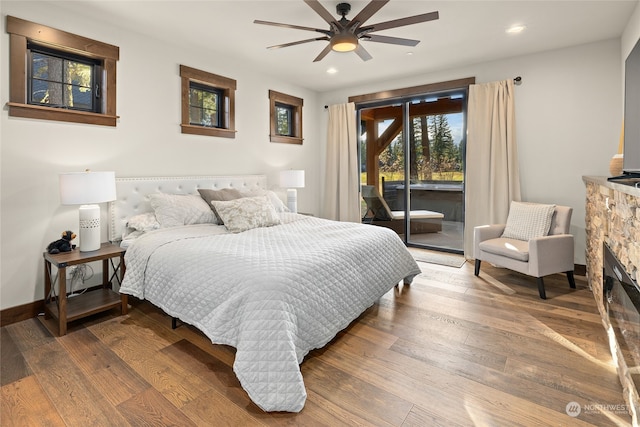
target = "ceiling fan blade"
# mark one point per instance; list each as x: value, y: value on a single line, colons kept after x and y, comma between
x: 367, y: 12
x: 390, y: 40
x: 298, y: 42
x: 320, y: 10
x: 324, y: 53
x: 431, y: 16
x: 295, y: 27
x: 362, y: 53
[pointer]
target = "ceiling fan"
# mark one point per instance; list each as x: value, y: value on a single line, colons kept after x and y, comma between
x: 345, y: 35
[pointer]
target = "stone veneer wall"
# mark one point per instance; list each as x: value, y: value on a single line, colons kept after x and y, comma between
x: 613, y: 217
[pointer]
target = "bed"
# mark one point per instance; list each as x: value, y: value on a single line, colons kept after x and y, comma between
x: 274, y: 290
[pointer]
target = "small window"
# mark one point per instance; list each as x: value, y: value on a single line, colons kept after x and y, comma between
x: 286, y: 118
x: 204, y: 106
x: 284, y: 114
x: 207, y: 103
x: 62, y: 80
x: 55, y: 75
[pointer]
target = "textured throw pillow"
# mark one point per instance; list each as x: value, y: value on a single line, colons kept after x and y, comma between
x: 528, y: 220
x: 143, y: 222
x: 224, y: 194
x: 277, y: 203
x: 173, y: 210
x: 246, y: 213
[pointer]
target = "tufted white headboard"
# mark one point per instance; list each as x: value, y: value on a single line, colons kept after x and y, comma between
x: 131, y: 193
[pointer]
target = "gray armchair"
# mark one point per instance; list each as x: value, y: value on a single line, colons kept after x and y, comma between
x: 536, y: 257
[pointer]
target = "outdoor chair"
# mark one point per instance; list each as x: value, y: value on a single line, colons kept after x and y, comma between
x: 379, y: 213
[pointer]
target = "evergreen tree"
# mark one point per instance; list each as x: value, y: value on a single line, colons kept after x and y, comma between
x: 432, y: 150
x: 445, y: 154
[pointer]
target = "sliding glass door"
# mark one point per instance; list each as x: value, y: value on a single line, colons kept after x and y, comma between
x: 412, y: 168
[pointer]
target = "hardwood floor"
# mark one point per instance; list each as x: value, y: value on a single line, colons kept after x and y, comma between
x: 451, y: 350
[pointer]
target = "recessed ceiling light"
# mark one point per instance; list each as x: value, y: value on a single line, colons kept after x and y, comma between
x: 409, y: 53
x: 332, y: 71
x: 515, y: 29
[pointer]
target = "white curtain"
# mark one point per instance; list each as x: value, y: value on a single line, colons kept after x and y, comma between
x: 341, y: 195
x: 492, y: 176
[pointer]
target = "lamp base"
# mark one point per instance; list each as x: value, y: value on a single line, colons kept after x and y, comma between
x: 292, y: 200
x: 89, y: 232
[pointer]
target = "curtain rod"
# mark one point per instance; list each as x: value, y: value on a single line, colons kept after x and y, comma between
x: 516, y: 80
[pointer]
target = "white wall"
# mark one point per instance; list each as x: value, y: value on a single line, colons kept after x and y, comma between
x: 146, y: 142
x: 568, y: 118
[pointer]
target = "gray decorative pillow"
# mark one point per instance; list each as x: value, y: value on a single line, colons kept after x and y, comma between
x: 246, y: 213
x: 528, y: 220
x: 224, y: 194
x: 173, y: 210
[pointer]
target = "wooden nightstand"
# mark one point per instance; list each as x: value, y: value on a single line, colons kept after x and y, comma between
x: 90, y: 302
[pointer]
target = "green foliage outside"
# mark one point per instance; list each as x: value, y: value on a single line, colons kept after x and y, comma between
x: 283, y: 120
x: 434, y: 156
x: 399, y: 176
x: 55, y: 79
x: 203, y: 107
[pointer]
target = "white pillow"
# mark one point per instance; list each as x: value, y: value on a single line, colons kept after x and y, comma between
x: 528, y: 220
x: 246, y: 213
x: 143, y: 222
x: 277, y: 203
x: 173, y: 210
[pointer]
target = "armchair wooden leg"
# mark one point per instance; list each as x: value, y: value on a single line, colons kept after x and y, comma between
x: 541, y: 291
x: 476, y: 270
x: 572, y: 281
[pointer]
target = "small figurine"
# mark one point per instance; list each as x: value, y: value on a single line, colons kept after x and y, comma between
x: 63, y: 244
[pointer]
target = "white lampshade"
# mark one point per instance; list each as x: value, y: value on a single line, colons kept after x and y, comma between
x: 292, y: 179
x: 86, y: 189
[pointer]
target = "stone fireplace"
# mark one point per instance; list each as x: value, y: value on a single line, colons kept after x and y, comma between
x: 613, y: 219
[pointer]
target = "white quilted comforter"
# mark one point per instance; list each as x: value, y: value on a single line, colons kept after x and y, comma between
x: 273, y: 293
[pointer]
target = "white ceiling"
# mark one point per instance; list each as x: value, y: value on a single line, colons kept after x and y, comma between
x: 467, y: 32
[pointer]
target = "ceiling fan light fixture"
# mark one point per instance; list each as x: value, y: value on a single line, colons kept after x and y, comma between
x: 344, y: 35
x: 344, y: 42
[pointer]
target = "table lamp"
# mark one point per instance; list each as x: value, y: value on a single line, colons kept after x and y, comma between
x: 291, y: 180
x: 87, y: 189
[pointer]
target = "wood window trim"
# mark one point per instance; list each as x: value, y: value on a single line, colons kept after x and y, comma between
x: 296, y: 104
x: 390, y: 95
x: 20, y: 32
x: 414, y: 90
x: 228, y: 87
